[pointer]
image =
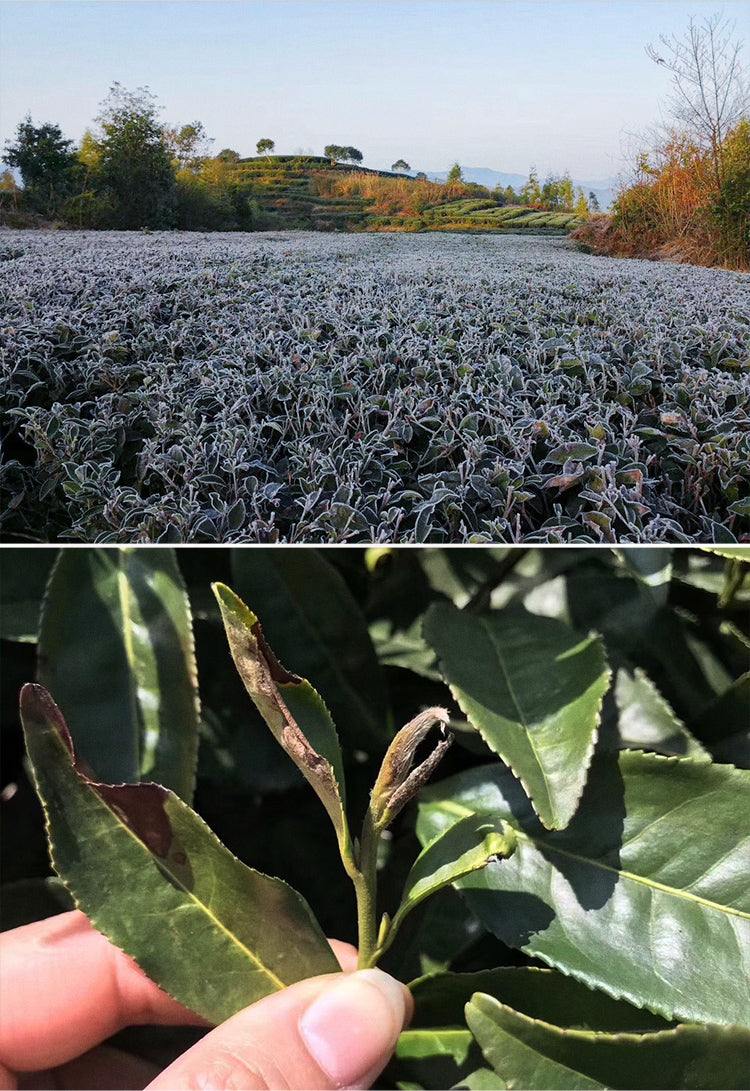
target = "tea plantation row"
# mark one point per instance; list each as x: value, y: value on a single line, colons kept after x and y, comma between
x: 301, y: 387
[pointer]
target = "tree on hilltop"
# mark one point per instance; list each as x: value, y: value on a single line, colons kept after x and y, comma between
x: 455, y: 174
x: 400, y: 165
x: 265, y: 146
x: 338, y: 152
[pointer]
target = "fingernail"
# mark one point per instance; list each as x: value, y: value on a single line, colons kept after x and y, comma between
x: 352, y: 1028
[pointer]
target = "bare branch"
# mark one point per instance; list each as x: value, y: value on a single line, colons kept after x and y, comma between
x: 709, y: 81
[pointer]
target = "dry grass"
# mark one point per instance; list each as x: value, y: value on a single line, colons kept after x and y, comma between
x: 668, y: 214
x: 405, y: 197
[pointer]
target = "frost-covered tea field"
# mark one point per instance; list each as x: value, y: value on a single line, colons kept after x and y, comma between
x: 300, y: 387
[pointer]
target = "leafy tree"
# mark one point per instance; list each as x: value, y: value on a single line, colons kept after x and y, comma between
x: 89, y: 153
x: 47, y: 164
x: 455, y: 174
x: 531, y: 194
x: 593, y: 201
x: 8, y: 191
x: 400, y: 164
x: 188, y: 145
x: 136, y: 166
x: 732, y: 208
x: 228, y: 155
x: 265, y: 146
x: 345, y: 154
x: 557, y: 193
x: 711, y: 92
x: 551, y: 199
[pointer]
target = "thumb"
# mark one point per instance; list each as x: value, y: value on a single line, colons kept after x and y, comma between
x: 336, y: 1031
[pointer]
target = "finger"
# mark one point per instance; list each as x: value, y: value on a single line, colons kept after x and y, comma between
x: 327, y: 1032
x: 102, y: 1069
x: 346, y: 953
x: 62, y: 975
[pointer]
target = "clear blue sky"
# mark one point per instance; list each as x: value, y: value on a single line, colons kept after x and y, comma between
x: 561, y: 84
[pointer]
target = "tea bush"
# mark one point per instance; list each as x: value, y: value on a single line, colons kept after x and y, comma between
x: 305, y: 388
x: 579, y: 915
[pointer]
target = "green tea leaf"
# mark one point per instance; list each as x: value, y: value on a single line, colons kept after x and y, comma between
x: 433, y: 1058
x: 514, y: 1061
x: 631, y: 621
x: 482, y: 1079
x: 293, y: 710
x: 404, y: 648
x: 646, y: 720
x: 535, y: 1054
x: 732, y: 553
x: 651, y: 567
x: 533, y: 689
x: 440, y: 999
x: 653, y: 868
x: 156, y: 881
x: 467, y: 846
x: 116, y: 649
x: 311, y: 619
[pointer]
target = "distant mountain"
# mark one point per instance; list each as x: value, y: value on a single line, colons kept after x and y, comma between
x: 483, y: 176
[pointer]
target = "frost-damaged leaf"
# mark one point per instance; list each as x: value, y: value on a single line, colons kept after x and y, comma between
x: 654, y: 867
x: 156, y: 881
x: 468, y: 846
x: 400, y: 777
x: 116, y: 649
x: 538, y: 1055
x: 578, y: 451
x: 311, y: 619
x: 533, y: 689
x: 293, y: 710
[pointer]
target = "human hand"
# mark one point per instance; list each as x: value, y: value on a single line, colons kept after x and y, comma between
x: 64, y: 989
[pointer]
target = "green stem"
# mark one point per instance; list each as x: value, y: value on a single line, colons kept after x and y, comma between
x: 365, y: 886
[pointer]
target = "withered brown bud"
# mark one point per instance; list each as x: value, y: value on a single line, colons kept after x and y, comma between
x: 397, y: 782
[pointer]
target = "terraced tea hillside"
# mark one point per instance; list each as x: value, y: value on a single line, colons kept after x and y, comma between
x: 302, y: 387
x: 313, y: 193
x: 285, y: 191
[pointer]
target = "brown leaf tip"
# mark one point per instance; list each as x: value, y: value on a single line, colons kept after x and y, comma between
x: 38, y: 710
x: 279, y: 674
x: 397, y: 781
